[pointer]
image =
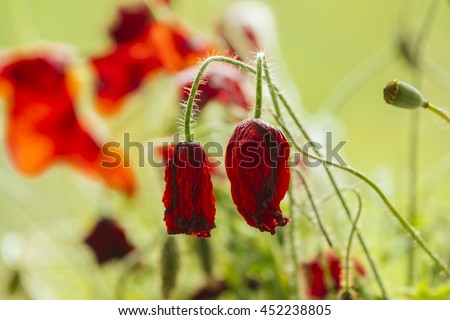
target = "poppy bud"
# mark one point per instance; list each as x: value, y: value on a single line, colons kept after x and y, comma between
x: 403, y: 95
x: 188, y: 197
x: 108, y: 241
x: 256, y: 161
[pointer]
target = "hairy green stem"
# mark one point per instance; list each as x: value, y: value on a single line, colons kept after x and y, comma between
x: 403, y: 222
x: 259, y: 84
x: 273, y: 94
x: 339, y: 194
x: 195, y: 84
x: 337, y: 190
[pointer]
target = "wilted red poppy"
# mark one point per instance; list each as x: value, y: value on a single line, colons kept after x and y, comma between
x: 42, y: 126
x: 256, y: 161
x: 108, y: 241
x: 188, y: 197
x: 142, y: 47
x: 223, y: 83
x: 324, y: 275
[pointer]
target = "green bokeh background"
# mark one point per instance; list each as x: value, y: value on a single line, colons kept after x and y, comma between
x: 322, y: 43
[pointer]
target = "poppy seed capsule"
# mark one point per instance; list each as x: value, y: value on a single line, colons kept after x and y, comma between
x: 256, y: 162
x: 188, y: 197
x: 403, y: 95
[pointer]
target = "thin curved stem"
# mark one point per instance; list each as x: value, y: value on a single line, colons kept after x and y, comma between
x: 338, y: 192
x: 314, y: 207
x: 350, y: 240
x: 293, y: 251
x: 403, y: 222
x: 191, y: 100
x: 440, y: 112
x: 273, y: 94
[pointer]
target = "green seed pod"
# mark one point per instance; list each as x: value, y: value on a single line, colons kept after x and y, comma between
x: 170, y: 262
x: 403, y: 95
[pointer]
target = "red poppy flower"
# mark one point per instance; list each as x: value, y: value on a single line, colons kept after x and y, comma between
x: 324, y: 276
x: 224, y: 84
x: 188, y: 197
x: 108, y: 241
x: 142, y: 47
x: 256, y: 161
x: 42, y: 126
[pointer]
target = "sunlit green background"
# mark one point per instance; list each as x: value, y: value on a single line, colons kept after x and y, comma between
x: 336, y: 55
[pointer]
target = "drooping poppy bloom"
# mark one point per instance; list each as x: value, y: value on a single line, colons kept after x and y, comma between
x: 324, y: 275
x: 142, y: 47
x: 256, y: 162
x: 42, y: 125
x: 188, y: 197
x: 223, y: 83
x: 108, y: 241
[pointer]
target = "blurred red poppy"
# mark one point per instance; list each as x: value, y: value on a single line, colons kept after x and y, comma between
x: 222, y: 83
x: 142, y: 47
x: 42, y: 126
x: 108, y: 241
x: 324, y: 275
